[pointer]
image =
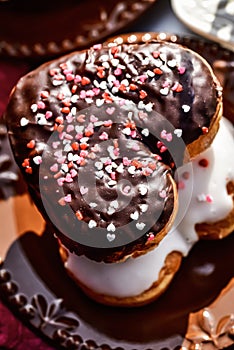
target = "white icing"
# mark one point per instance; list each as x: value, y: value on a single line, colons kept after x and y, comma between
x: 134, y: 276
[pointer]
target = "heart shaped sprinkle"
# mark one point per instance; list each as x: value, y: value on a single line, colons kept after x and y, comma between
x: 134, y: 216
x: 92, y: 224
x: 178, y: 132
x: 110, y: 237
x: 140, y: 225
x: 83, y: 190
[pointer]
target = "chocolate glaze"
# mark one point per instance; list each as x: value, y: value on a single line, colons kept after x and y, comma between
x: 147, y: 91
x: 10, y: 179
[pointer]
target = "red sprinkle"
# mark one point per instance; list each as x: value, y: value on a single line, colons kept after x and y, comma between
x: 158, y: 71
x: 203, y: 163
x: 31, y: 144
x: 205, y: 130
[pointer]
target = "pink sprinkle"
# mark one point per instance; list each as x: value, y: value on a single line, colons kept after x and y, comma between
x: 110, y: 110
x: 97, y: 46
x: 48, y: 114
x: 166, y: 136
x: 116, y: 83
x: 163, y: 149
x: 108, y: 162
x: 126, y: 161
x: 117, y: 71
x: 60, y: 181
x: 70, y: 128
x: 79, y: 136
x: 61, y: 160
x: 209, y: 198
x: 77, y: 79
x: 163, y: 194
x: 73, y: 173
x: 104, y: 136
x: 181, y: 70
x: 84, y: 153
x: 69, y: 118
x: 116, y: 152
x: 151, y: 237
x: 135, y: 147
x: 143, y: 78
x: 96, y: 91
x: 83, y: 94
x: 126, y: 189
x: 68, y: 198
x: 69, y: 77
x: 90, y: 93
x: 166, y: 84
x: 93, y: 119
x: 54, y: 168
x: 113, y: 176
x: 107, y: 123
x: 68, y: 178
x: 181, y: 185
x: 62, y: 202
x: 40, y: 105
x: 133, y: 134
x: 55, y: 145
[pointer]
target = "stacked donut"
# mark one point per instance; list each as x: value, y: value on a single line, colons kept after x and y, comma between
x: 127, y: 158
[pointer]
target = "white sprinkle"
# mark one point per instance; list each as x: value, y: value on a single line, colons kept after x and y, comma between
x: 34, y: 107
x: 178, y: 132
x: 68, y: 147
x: 56, y: 82
x: 64, y: 168
x: 134, y: 216
x: 111, y: 228
x: 164, y: 91
x: 92, y: 224
x: 186, y: 108
x: 172, y: 63
x: 110, y: 237
x: 74, y: 98
x: 99, y: 102
x: 106, y: 65
x: 93, y: 205
x: 145, y: 132
x: 110, y: 211
x: 120, y: 168
x: 150, y: 73
x: 143, y: 208
x: 140, y: 225
x: 143, y: 189
x: 37, y: 160
x: 114, y: 62
x: 149, y: 107
x: 103, y: 85
x: 125, y: 82
x: 126, y: 131
x: 41, y: 119
x: 99, y: 174
x: 163, y: 56
x: 112, y: 183
x: 98, y: 165
x: 114, y: 204
x: 73, y: 110
x: 201, y: 197
x: 24, y: 121
x: 132, y: 169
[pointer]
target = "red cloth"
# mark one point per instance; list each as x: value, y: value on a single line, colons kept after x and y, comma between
x: 14, y: 335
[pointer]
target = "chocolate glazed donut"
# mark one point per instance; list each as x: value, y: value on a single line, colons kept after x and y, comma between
x: 98, y: 135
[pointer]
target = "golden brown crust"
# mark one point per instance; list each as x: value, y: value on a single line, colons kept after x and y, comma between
x: 171, y: 266
x: 221, y: 228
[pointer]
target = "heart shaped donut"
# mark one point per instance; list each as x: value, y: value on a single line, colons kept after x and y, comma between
x: 99, y: 134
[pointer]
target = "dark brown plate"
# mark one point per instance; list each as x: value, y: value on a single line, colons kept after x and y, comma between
x: 35, y: 286
x: 39, y: 29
